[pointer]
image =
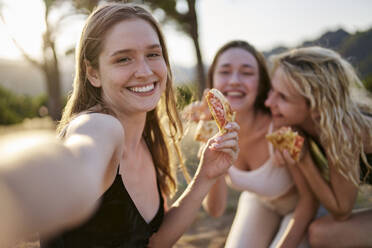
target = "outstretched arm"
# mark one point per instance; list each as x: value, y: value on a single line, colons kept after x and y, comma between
x: 47, y: 185
x: 219, y: 154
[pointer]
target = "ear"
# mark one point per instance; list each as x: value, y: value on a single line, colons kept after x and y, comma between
x: 92, y: 74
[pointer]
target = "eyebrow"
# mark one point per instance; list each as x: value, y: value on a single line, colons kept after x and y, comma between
x: 285, y: 93
x: 244, y: 65
x: 130, y: 50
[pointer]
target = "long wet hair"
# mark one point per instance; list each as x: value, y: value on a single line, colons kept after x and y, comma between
x: 85, y: 96
x: 263, y: 74
x: 325, y: 79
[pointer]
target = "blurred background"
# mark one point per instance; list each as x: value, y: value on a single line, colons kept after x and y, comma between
x: 38, y: 37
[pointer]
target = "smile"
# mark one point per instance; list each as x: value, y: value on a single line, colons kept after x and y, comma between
x: 142, y: 89
x: 234, y: 94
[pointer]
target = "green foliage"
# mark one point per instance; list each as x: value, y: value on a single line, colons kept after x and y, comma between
x: 368, y: 83
x: 15, y: 108
x: 185, y: 94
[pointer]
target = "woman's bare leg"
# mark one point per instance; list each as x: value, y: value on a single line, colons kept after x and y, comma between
x: 353, y: 232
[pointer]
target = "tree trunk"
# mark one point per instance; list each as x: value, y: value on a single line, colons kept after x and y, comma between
x: 194, y: 33
x: 53, y: 85
x: 53, y: 80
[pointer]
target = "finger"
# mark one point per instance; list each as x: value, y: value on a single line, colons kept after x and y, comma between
x: 278, y: 158
x: 288, y: 158
x: 227, y: 136
x: 225, y: 144
x: 232, y: 126
x: 233, y: 154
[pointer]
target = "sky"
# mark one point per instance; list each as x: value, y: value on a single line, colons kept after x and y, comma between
x: 263, y: 23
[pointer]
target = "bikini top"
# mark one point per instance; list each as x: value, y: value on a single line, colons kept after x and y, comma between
x: 268, y: 180
x: 116, y: 223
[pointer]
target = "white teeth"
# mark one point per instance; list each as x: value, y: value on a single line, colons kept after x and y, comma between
x: 234, y: 93
x: 146, y: 88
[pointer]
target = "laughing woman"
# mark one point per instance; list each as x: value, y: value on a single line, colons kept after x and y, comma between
x: 270, y: 212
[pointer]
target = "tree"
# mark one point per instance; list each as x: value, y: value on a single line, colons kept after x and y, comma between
x: 48, y: 64
x: 187, y: 22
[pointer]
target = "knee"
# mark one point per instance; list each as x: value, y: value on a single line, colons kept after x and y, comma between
x: 317, y: 233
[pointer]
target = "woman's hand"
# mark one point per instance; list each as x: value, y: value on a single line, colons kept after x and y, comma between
x: 220, y: 152
x: 284, y: 158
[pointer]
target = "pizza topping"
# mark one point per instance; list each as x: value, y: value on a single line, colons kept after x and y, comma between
x: 220, y: 108
x: 286, y: 139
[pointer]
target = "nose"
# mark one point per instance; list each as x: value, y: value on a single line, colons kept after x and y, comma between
x: 234, y: 78
x: 143, y: 69
x: 269, y: 100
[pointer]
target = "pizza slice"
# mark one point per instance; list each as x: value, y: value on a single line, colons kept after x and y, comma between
x: 220, y: 108
x: 205, y: 130
x: 286, y: 139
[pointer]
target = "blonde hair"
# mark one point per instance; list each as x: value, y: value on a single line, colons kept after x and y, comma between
x: 325, y: 80
x: 85, y: 96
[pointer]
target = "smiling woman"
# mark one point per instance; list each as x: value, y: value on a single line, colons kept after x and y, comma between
x: 111, y: 131
x: 132, y: 72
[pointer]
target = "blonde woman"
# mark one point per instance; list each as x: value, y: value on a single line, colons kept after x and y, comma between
x: 310, y: 90
x: 111, y: 126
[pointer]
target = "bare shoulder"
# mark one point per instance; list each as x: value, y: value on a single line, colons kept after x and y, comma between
x: 96, y: 123
x: 97, y: 138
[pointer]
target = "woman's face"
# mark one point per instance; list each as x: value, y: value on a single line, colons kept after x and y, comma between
x: 237, y: 76
x: 287, y: 106
x: 132, y: 71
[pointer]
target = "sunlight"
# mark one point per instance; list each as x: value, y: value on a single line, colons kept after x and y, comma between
x: 13, y: 144
x: 24, y: 22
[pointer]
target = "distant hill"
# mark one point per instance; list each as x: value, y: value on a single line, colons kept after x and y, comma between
x: 356, y: 48
x: 22, y: 78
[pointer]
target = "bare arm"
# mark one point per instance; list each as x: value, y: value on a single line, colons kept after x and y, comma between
x: 215, y: 202
x: 305, y: 210
x: 214, y: 163
x: 48, y: 185
x: 338, y: 196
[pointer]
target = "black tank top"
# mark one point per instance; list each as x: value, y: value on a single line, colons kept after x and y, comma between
x: 117, y: 223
